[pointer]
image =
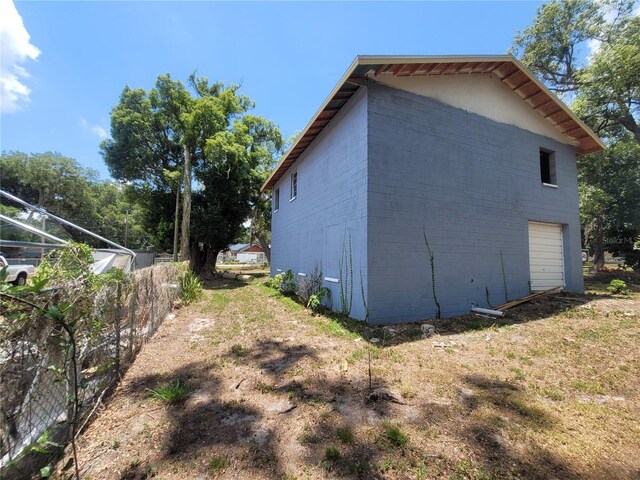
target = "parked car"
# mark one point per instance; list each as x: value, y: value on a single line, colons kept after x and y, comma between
x: 17, y: 274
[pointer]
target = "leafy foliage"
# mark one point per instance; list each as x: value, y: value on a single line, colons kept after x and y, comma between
x: 63, y: 187
x: 308, y: 290
x: 609, y: 186
x: 605, y: 91
x: 316, y: 300
x: 191, y: 287
x: 284, y: 282
x: 618, y: 287
x: 262, y: 207
x: 309, y: 285
x: 632, y: 260
x: 231, y: 176
x: 69, y: 264
x: 203, y: 130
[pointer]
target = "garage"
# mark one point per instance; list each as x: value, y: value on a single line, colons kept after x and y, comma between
x: 546, y: 259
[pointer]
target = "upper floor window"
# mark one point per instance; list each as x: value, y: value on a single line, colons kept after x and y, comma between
x: 548, y: 167
x: 294, y: 186
x: 276, y: 200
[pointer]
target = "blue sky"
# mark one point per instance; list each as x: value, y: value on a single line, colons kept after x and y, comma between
x: 287, y: 56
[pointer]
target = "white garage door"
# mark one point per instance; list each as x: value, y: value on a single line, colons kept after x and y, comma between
x: 546, y: 261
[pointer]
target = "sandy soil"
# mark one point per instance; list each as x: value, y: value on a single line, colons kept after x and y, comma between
x: 275, y: 392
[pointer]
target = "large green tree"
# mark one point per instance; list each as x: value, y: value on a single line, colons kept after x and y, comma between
x: 604, y: 88
x: 145, y: 150
x: 231, y: 176
x: 203, y: 132
x: 47, y: 180
x: 63, y: 187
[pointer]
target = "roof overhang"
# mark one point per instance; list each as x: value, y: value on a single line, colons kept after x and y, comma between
x: 505, y: 67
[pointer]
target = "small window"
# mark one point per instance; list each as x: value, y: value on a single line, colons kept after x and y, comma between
x: 294, y: 185
x: 276, y: 200
x: 548, y: 167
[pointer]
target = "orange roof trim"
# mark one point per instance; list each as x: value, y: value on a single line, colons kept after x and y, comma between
x: 505, y: 67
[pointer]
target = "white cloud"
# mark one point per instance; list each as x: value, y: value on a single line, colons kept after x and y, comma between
x: 594, y: 47
x: 16, y: 49
x: 99, y: 131
x: 96, y: 129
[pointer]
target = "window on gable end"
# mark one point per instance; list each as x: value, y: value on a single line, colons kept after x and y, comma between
x: 294, y: 186
x: 548, y: 168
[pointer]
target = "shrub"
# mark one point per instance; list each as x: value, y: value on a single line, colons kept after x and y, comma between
x: 315, y: 300
x: 619, y: 287
x: 310, y: 289
x: 288, y: 284
x: 309, y: 285
x: 191, y: 287
x: 284, y: 282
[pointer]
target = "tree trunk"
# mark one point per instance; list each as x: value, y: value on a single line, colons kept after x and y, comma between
x: 196, y: 259
x: 598, y: 243
x: 210, y: 263
x: 265, y: 246
x: 629, y: 122
x: 186, y: 207
x: 176, y: 227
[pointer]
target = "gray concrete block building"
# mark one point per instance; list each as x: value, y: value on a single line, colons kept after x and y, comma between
x: 424, y: 185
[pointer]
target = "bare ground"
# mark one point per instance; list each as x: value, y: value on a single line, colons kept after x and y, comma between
x: 549, y: 392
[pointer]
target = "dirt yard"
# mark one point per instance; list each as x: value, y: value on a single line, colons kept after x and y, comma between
x: 551, y: 391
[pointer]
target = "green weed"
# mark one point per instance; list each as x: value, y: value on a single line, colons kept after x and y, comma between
x: 618, y: 287
x: 239, y: 350
x: 394, y: 435
x: 191, y: 287
x: 331, y: 454
x: 171, y: 393
x: 344, y: 434
x: 553, y: 394
x: 217, y: 463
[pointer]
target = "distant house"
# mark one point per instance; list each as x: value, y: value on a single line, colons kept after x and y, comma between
x: 243, y: 253
x: 472, y: 155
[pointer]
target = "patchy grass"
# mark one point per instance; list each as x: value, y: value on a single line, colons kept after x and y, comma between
x: 344, y: 434
x: 239, y: 351
x: 217, y: 463
x: 552, y: 390
x: 394, y: 435
x: 332, y: 454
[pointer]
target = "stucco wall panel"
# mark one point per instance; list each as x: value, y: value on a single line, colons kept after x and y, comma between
x: 483, y: 94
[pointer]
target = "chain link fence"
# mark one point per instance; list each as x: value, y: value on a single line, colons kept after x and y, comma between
x: 37, y: 407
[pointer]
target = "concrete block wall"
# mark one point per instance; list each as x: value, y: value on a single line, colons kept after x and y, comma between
x: 330, y: 206
x: 471, y: 185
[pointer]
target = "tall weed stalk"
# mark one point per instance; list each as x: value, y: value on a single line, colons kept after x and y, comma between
x: 345, y: 270
x: 433, y: 273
